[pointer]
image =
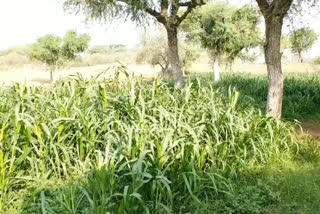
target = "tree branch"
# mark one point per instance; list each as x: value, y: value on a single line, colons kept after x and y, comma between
x: 264, y: 6
x: 160, y: 18
x: 185, y: 4
x: 282, y: 7
x: 174, y: 7
x: 191, y: 5
x: 164, y: 7
x: 156, y: 15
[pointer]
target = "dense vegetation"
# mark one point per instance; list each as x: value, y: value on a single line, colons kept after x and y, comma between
x: 89, y: 146
x: 302, y: 93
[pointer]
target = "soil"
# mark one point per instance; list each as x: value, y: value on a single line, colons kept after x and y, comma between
x: 312, y: 128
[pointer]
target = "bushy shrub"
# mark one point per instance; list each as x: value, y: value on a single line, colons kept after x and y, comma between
x: 155, y: 53
x: 317, y: 61
x: 14, y: 59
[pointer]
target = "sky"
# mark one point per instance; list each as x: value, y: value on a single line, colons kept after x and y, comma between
x: 24, y: 21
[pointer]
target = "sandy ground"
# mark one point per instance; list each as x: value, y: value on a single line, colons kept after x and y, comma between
x: 40, y: 75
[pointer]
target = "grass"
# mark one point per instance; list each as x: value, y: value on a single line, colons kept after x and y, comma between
x: 301, y: 93
x: 89, y: 146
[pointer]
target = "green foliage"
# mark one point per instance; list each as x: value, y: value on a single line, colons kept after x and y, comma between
x: 285, y: 42
x: 189, y: 54
x: 99, y: 49
x: 317, y: 61
x: 248, y: 56
x: 302, y: 40
x: 53, y: 50
x: 137, y: 10
x: 301, y: 93
x: 47, y: 50
x: 155, y: 53
x: 117, y: 48
x: 107, y: 49
x: 74, y: 44
x: 224, y: 29
x: 88, y: 146
x: 110, y: 8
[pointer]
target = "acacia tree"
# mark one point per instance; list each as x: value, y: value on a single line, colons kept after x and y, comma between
x: 302, y: 40
x: 169, y: 13
x: 274, y: 12
x: 54, y: 51
x: 155, y: 53
x: 224, y: 30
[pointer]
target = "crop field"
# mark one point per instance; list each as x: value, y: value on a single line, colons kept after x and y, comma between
x: 135, y: 146
x: 160, y: 107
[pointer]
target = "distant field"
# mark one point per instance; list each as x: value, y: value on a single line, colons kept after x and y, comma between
x: 259, y: 68
x: 38, y: 75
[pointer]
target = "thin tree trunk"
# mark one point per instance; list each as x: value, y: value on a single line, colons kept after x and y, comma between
x: 174, y: 60
x: 51, y: 73
x: 300, y: 57
x: 273, y: 61
x: 216, y: 69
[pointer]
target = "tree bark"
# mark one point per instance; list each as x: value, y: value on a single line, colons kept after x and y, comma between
x: 274, y: 25
x: 174, y: 59
x: 300, y: 57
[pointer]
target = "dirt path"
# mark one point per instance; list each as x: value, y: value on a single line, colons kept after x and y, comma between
x: 312, y: 128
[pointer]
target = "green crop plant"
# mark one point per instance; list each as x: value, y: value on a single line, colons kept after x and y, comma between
x: 113, y: 146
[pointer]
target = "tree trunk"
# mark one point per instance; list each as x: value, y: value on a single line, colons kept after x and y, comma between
x: 273, y: 61
x: 216, y: 69
x: 300, y: 57
x: 51, y: 73
x: 173, y: 52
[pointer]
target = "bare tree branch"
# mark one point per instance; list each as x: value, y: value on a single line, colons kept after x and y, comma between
x: 191, y: 5
x: 156, y: 15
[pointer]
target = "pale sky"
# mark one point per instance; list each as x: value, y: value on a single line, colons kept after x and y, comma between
x: 23, y: 21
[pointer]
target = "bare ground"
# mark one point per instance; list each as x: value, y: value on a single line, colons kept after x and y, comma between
x: 35, y: 74
x: 312, y: 128
x: 39, y: 75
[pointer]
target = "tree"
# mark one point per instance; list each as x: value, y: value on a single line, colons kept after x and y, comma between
x: 274, y: 12
x: 302, y: 40
x: 224, y: 30
x: 155, y: 53
x: 285, y: 43
x: 169, y: 13
x: 54, y: 51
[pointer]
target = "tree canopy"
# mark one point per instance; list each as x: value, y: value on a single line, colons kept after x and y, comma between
x: 47, y: 50
x: 170, y: 13
x: 53, y: 50
x: 302, y: 40
x: 155, y: 53
x: 224, y: 29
